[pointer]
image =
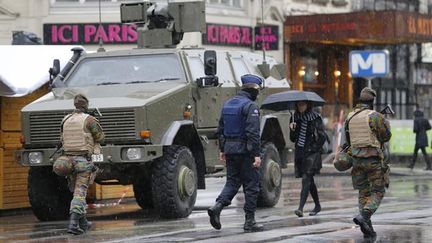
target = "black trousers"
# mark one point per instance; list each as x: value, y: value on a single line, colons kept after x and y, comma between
x: 308, y: 185
x: 241, y: 172
x: 425, y: 155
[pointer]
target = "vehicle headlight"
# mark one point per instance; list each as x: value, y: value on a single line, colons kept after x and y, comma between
x: 133, y: 153
x: 35, y: 157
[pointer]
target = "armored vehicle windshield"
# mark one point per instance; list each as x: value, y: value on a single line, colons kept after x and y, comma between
x: 126, y: 70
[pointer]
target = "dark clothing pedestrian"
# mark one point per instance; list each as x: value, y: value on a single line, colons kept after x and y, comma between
x: 239, y: 144
x: 309, y: 137
x: 421, y: 126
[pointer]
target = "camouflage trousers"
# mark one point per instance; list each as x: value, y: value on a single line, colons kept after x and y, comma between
x: 78, y: 170
x: 368, y: 177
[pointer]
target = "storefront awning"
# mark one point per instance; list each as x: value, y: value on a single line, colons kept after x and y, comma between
x: 358, y: 28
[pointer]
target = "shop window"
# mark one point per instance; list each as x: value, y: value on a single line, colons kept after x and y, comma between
x: 379, y: 5
x: 230, y: 3
x: 309, y: 70
x: 339, y: 3
x: 82, y: 1
x: 320, y: 2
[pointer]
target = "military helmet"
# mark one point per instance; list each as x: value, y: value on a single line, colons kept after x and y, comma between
x: 251, y: 81
x: 63, y: 166
x: 343, y: 162
x: 81, y: 102
x: 367, y: 94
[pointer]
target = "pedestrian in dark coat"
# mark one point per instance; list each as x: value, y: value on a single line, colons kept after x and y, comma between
x: 421, y: 125
x: 307, y: 132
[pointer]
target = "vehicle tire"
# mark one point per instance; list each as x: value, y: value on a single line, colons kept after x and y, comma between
x: 271, y: 176
x: 142, y: 188
x: 174, y: 182
x: 48, y: 194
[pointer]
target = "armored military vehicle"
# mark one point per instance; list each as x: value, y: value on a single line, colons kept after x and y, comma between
x: 159, y: 107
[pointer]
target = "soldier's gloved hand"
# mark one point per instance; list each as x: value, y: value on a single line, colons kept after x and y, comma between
x: 257, y: 162
x: 222, y: 158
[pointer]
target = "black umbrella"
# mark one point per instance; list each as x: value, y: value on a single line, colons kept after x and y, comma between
x: 287, y: 100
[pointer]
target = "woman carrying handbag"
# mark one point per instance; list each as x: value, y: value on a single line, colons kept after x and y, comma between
x: 307, y: 132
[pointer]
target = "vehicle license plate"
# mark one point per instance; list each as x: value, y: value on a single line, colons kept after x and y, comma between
x: 97, y: 157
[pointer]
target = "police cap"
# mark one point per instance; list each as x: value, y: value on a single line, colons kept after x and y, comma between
x: 367, y: 94
x: 251, y: 81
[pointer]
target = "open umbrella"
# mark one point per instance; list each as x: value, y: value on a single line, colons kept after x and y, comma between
x: 286, y: 100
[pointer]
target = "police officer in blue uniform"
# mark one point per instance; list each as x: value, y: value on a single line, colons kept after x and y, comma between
x: 239, y: 144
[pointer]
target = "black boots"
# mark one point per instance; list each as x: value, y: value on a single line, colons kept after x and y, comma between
x: 316, y: 210
x: 299, y: 212
x: 428, y: 165
x: 84, y: 224
x: 250, y: 225
x: 78, y: 224
x: 363, y: 220
x: 74, y: 227
x: 314, y: 194
x: 214, y: 213
x: 373, y: 234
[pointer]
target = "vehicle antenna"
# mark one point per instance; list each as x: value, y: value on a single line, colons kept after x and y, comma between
x: 262, y: 24
x: 101, y: 48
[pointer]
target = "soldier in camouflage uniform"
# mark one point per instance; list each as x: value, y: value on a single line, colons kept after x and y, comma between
x: 81, y: 136
x: 366, y: 132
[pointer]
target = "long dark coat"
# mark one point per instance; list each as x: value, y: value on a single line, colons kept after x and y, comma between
x: 421, y: 125
x: 308, y: 158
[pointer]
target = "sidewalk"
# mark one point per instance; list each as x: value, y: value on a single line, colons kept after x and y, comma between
x: 397, y: 169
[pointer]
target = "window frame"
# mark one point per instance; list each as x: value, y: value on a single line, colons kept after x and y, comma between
x: 224, y: 5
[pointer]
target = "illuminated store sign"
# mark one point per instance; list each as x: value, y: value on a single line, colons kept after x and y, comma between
x: 87, y: 34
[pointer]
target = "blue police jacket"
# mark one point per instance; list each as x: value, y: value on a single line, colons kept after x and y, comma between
x: 239, y: 126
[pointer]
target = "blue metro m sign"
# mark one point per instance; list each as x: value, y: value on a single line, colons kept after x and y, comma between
x: 371, y: 63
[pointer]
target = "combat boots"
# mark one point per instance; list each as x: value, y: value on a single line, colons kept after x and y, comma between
x: 373, y: 234
x: 74, y: 226
x: 84, y: 224
x: 362, y: 221
x: 428, y: 164
x: 214, y: 213
x: 250, y: 225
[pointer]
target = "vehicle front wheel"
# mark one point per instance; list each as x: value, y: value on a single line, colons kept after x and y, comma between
x: 48, y: 194
x: 143, y: 191
x: 271, y: 176
x: 174, y: 182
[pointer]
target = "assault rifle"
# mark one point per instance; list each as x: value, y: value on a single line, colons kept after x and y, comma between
x: 387, y: 110
x: 59, y: 149
x: 95, y: 112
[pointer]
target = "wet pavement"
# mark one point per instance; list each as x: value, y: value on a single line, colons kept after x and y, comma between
x: 404, y: 216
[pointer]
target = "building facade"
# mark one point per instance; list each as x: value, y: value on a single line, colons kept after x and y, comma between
x: 318, y: 46
x: 233, y: 24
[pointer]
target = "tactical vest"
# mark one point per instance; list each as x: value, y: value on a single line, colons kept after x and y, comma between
x: 234, y: 125
x: 75, y: 137
x: 360, y: 132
